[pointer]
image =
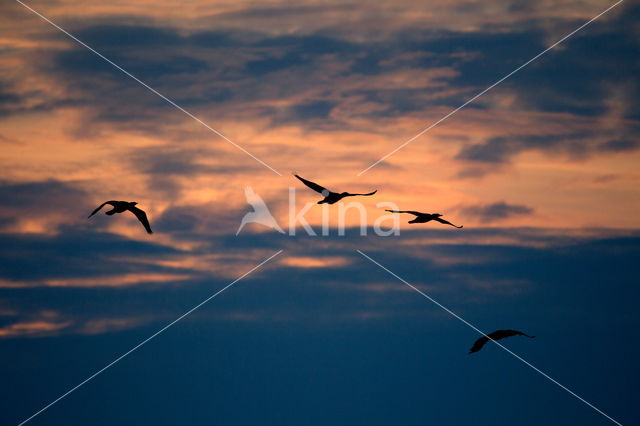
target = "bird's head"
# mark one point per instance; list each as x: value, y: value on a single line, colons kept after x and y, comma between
x: 436, y: 214
x: 133, y: 203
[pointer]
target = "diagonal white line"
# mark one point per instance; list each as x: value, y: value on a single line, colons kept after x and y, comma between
x: 500, y: 345
x: 425, y: 130
x: 149, y: 338
x: 149, y: 87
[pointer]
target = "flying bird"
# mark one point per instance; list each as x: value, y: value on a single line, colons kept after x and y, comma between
x: 329, y: 196
x: 496, y: 335
x: 122, y: 206
x: 425, y: 217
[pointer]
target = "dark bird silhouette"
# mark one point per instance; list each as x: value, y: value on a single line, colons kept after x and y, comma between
x: 425, y: 217
x: 329, y: 196
x: 496, y: 335
x: 123, y: 206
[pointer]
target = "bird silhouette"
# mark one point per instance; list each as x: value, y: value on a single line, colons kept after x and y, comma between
x: 260, y: 213
x: 329, y: 196
x: 425, y: 217
x: 496, y: 335
x: 123, y: 206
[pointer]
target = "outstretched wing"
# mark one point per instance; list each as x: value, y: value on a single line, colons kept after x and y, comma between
x: 312, y: 185
x: 446, y: 222
x: 370, y: 193
x: 496, y: 335
x: 406, y: 211
x: 142, y: 217
x: 501, y: 334
x: 478, y: 344
x: 101, y: 206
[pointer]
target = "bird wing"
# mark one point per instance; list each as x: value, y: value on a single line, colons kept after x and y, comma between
x: 370, y: 193
x: 312, y: 185
x: 142, y: 217
x: 496, y: 335
x: 101, y: 206
x: 406, y: 211
x: 446, y: 222
x: 478, y: 344
x: 501, y: 334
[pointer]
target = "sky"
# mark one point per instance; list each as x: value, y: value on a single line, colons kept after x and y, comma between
x: 542, y: 171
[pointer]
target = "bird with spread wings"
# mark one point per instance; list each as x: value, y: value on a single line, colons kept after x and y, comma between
x: 329, y: 196
x: 123, y: 206
x: 425, y: 217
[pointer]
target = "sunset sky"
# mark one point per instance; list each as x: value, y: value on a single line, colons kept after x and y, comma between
x: 542, y: 171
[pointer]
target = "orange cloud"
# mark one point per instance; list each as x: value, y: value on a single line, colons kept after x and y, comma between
x: 314, y: 262
x: 32, y: 328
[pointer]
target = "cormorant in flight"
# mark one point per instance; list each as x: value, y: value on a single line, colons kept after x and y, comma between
x: 425, y: 217
x: 496, y: 335
x: 122, y: 206
x: 329, y: 196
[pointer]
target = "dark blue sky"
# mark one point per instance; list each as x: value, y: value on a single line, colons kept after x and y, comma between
x: 319, y: 347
